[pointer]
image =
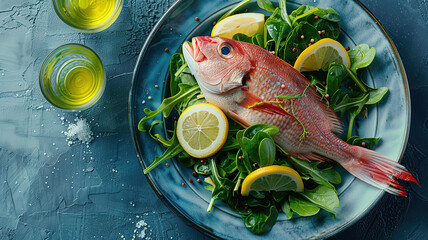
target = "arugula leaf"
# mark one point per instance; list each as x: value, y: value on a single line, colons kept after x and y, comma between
x: 175, y: 63
x: 168, y: 104
x: 324, y: 176
x: 376, y: 95
x: 322, y: 196
x: 361, y: 56
x: 170, y: 152
x: 257, y: 222
x: 232, y: 11
x: 228, y: 163
x: 302, y: 206
x: 347, y: 103
x: 200, y: 168
x: 243, y: 162
x: 266, y: 5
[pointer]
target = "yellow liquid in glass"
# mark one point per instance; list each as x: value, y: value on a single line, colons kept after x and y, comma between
x: 79, y: 86
x: 88, y: 15
x: 72, y: 77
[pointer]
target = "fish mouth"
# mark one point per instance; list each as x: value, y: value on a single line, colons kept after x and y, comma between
x: 194, y: 50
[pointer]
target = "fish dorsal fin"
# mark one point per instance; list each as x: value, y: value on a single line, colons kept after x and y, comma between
x: 335, y: 125
x: 310, y: 156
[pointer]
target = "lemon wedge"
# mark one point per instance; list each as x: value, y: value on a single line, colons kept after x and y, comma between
x: 202, y: 130
x: 249, y: 24
x: 272, y: 178
x: 321, y: 54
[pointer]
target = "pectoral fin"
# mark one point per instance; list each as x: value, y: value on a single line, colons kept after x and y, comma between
x: 254, y: 102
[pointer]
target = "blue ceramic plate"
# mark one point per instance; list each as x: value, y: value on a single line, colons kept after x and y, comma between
x: 389, y: 119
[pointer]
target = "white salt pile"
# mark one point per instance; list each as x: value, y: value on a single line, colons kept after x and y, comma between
x: 80, y: 131
x: 141, y: 230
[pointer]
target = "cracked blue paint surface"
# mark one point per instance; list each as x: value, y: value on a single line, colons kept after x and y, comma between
x: 49, y: 190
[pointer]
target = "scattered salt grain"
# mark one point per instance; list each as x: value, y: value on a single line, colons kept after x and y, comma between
x: 142, y: 226
x: 79, y: 131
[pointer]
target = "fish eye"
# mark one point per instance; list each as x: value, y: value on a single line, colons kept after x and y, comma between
x: 226, y: 50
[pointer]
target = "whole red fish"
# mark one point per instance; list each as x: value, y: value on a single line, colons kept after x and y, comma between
x: 247, y: 83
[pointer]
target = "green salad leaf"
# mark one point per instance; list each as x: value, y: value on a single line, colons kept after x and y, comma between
x: 258, y: 222
x: 361, y: 57
x: 266, y: 5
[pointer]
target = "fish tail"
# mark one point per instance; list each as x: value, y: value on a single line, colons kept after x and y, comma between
x: 379, y: 171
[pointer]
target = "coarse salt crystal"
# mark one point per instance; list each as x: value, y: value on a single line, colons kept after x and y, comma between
x: 79, y: 131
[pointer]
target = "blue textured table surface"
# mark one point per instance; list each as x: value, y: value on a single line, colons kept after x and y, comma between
x: 50, y: 190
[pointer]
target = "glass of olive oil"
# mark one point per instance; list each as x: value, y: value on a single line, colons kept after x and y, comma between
x: 88, y: 15
x: 72, y: 77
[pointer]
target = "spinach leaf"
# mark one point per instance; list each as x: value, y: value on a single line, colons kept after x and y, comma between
x: 256, y: 202
x: 302, y: 206
x: 375, y: 95
x: 368, y: 142
x: 242, y: 37
x: 294, y: 40
x: 322, y: 196
x: 257, y: 222
x: 324, y: 176
x: 279, y: 196
x: 186, y: 91
x: 285, y: 207
x: 329, y: 29
x: 267, y: 152
x: 266, y: 5
x: 283, y: 11
x: 336, y: 74
x: 251, y: 131
x: 277, y: 28
x: 258, y: 40
x: 301, y: 13
x: 328, y: 14
x: 250, y: 139
x: 361, y: 56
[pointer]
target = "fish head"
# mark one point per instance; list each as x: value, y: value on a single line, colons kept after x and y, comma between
x: 218, y: 64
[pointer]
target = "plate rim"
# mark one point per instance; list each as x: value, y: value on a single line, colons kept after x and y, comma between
x: 203, y: 229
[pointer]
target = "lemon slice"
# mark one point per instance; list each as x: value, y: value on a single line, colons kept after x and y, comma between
x: 202, y: 130
x: 249, y: 24
x: 321, y: 54
x: 272, y: 178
